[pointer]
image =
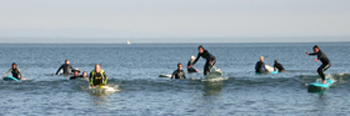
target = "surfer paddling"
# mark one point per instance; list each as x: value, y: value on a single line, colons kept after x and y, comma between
x: 278, y: 66
x: 325, y: 62
x: 76, y: 72
x: 98, y: 77
x: 15, y: 72
x: 178, y: 73
x: 206, y: 55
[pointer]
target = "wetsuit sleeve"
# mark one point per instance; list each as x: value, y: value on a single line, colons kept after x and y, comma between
x: 106, y: 78
x: 71, y: 68
x: 8, y: 72
x: 195, y: 61
x: 313, y: 54
x: 19, y: 71
x: 173, y: 75
x: 91, y: 79
x: 59, y: 70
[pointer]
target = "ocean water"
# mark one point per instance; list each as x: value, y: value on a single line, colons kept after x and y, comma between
x: 135, y: 68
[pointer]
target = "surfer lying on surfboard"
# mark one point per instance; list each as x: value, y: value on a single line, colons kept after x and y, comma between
x: 178, y: 73
x: 206, y: 55
x: 325, y: 62
x: 98, y: 77
x: 15, y: 72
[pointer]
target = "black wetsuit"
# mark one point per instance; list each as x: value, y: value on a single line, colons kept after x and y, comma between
x: 325, y: 63
x: 178, y: 74
x: 259, y: 67
x: 209, y: 57
x: 75, y: 77
x: 66, y: 69
x: 15, y: 73
x: 278, y: 66
x: 190, y: 69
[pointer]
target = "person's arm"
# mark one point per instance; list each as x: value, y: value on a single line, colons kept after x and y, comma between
x: 7, y: 73
x: 173, y: 75
x: 106, y: 78
x: 59, y: 70
x: 71, y: 68
x: 263, y: 67
x: 20, y: 74
x: 91, y: 79
x: 195, y: 61
x: 184, y: 74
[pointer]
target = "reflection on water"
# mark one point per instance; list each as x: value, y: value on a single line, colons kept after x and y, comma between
x: 212, y: 88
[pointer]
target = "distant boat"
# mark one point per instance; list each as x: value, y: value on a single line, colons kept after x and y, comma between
x: 128, y: 42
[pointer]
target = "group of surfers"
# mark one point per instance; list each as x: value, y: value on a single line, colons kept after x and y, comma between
x: 98, y: 76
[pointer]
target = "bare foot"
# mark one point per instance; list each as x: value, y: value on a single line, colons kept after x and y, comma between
x: 324, y: 82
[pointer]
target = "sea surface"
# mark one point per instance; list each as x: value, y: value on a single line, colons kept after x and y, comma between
x: 134, y: 70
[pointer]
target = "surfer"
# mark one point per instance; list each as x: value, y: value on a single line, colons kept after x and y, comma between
x: 98, y: 76
x: 15, y: 72
x: 178, y: 73
x: 66, y: 68
x: 76, y: 72
x: 260, y: 66
x: 325, y: 62
x: 206, y: 55
x: 190, y: 70
x: 84, y: 75
x: 278, y: 66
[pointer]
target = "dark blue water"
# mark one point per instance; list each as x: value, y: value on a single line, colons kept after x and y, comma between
x: 135, y: 69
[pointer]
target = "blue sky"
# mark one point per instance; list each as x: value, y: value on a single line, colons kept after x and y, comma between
x: 169, y: 21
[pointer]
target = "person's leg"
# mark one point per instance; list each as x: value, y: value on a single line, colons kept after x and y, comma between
x: 206, y: 68
x: 321, y: 70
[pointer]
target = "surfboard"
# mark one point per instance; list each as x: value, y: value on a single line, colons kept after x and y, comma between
x: 10, y: 78
x: 270, y: 69
x: 102, y: 90
x: 164, y: 75
x: 214, y: 73
x: 319, y: 86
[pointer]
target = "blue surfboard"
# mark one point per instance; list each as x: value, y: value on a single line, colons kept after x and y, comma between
x: 319, y: 86
x: 9, y: 78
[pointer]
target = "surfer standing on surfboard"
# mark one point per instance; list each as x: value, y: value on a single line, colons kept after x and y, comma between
x: 15, y: 72
x: 325, y: 62
x: 98, y: 77
x: 206, y: 55
x: 178, y: 73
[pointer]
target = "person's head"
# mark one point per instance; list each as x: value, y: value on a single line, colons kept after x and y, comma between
x: 76, y: 72
x: 14, y: 65
x: 276, y: 61
x: 200, y: 49
x: 67, y: 61
x: 316, y: 49
x: 97, y: 68
x: 193, y: 58
x: 261, y: 58
x: 179, y: 66
x: 84, y: 74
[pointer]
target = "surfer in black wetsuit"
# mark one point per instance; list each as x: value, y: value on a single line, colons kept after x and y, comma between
x: 76, y: 72
x: 66, y: 68
x: 84, y: 75
x: 15, y: 72
x: 260, y: 66
x: 98, y: 77
x: 278, y: 66
x: 178, y: 73
x: 206, y: 55
x: 191, y: 70
x: 325, y: 62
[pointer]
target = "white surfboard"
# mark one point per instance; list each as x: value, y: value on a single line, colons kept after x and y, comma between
x: 269, y: 68
x: 215, y: 73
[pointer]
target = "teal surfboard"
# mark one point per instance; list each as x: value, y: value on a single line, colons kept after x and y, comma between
x: 9, y: 78
x: 319, y: 86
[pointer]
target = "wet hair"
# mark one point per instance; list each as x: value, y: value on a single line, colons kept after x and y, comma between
x: 179, y: 64
x: 316, y: 46
x: 276, y: 61
x: 200, y: 47
x: 14, y: 64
